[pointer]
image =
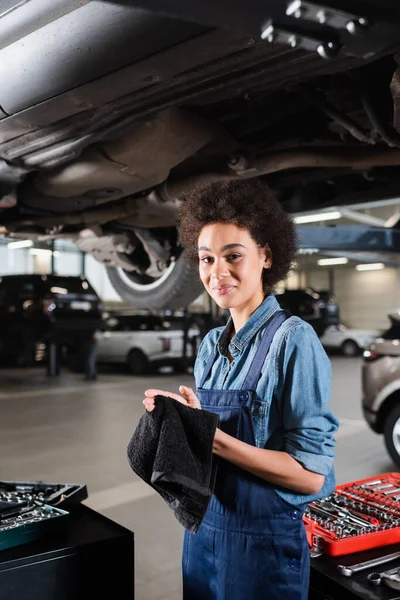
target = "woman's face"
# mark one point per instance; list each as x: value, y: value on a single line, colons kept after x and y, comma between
x: 231, y: 265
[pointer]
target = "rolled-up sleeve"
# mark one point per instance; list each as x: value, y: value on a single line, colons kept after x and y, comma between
x: 309, y: 425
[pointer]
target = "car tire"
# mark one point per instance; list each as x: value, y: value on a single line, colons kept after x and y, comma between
x: 177, y: 288
x: 391, y: 432
x: 350, y: 348
x: 138, y: 362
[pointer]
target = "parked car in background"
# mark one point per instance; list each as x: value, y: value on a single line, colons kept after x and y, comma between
x: 144, y: 341
x: 320, y: 309
x: 349, y: 341
x: 38, y: 309
x: 381, y: 386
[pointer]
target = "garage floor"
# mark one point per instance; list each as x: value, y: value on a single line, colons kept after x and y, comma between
x: 67, y: 430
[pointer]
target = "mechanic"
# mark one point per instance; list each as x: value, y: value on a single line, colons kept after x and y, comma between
x: 268, y: 377
x: 90, y: 352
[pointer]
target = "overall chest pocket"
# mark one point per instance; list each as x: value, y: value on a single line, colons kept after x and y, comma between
x: 259, y: 411
x: 229, y: 418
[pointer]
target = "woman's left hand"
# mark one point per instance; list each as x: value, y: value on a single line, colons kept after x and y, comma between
x: 188, y: 397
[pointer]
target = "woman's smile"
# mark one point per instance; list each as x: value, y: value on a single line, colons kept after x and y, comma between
x: 222, y: 290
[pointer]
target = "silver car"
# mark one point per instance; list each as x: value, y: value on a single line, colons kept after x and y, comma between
x: 381, y: 386
x: 349, y: 341
x: 144, y: 341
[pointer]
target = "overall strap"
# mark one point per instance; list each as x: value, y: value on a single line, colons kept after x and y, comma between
x: 253, y: 375
x: 208, y: 367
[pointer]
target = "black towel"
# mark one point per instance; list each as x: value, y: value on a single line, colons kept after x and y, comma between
x: 171, y: 450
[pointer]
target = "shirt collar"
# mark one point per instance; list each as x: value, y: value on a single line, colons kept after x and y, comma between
x: 257, y: 320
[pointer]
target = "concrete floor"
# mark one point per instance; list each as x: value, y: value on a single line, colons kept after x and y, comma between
x: 67, y: 430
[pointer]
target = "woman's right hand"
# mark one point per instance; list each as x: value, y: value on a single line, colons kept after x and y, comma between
x: 188, y: 397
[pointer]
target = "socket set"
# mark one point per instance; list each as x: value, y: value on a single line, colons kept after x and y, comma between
x: 357, y: 516
x: 30, y: 523
x: 56, y: 494
x: 31, y: 510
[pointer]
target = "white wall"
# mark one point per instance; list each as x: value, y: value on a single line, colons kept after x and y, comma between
x: 317, y: 278
x: 68, y: 263
x: 365, y: 297
x: 15, y: 261
x: 97, y: 276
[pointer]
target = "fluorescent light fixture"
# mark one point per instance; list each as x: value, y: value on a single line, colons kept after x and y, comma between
x: 20, y: 244
x: 43, y: 252
x: 327, y: 216
x: 370, y: 267
x: 325, y: 262
x: 308, y: 250
x: 392, y: 221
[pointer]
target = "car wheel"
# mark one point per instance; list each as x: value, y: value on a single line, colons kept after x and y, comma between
x: 350, y: 348
x: 391, y: 433
x: 176, y: 287
x: 138, y: 362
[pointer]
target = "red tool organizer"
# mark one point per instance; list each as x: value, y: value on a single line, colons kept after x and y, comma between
x: 383, y: 504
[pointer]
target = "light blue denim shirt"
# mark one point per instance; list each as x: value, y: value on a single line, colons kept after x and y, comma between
x: 294, y: 390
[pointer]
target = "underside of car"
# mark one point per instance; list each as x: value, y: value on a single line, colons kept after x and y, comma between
x: 109, y: 110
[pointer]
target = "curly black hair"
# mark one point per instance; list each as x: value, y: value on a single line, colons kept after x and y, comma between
x: 249, y: 204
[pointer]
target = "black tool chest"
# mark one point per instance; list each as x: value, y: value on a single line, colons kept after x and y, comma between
x: 91, y: 558
x: 55, y: 548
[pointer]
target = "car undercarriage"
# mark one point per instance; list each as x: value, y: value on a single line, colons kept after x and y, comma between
x: 110, y: 110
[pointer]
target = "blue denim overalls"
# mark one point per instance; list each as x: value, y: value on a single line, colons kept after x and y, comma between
x: 251, y: 544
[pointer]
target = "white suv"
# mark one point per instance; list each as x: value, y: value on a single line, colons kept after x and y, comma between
x: 143, y: 341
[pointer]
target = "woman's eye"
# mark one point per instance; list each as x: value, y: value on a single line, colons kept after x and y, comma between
x: 233, y: 256
x: 206, y: 259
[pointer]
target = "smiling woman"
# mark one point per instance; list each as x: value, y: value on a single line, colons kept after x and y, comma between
x: 251, y: 206
x: 231, y: 271
x: 268, y: 378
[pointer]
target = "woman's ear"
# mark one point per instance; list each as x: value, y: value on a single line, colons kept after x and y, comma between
x: 268, y: 257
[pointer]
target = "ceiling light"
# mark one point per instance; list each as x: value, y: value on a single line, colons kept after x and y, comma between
x: 327, y: 216
x: 324, y: 262
x: 43, y: 252
x: 370, y: 267
x: 308, y: 250
x: 393, y: 220
x: 20, y: 244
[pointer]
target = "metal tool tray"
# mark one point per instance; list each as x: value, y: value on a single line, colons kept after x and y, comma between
x: 383, y: 498
x: 55, y: 494
x: 30, y: 510
x: 37, y: 521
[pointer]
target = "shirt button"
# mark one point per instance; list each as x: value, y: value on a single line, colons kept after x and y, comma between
x: 293, y: 563
x: 294, y: 515
x: 243, y: 396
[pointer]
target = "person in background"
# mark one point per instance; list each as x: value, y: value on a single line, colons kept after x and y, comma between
x: 90, y: 358
x: 268, y: 378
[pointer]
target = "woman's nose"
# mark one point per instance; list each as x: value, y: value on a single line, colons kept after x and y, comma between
x: 219, y: 271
